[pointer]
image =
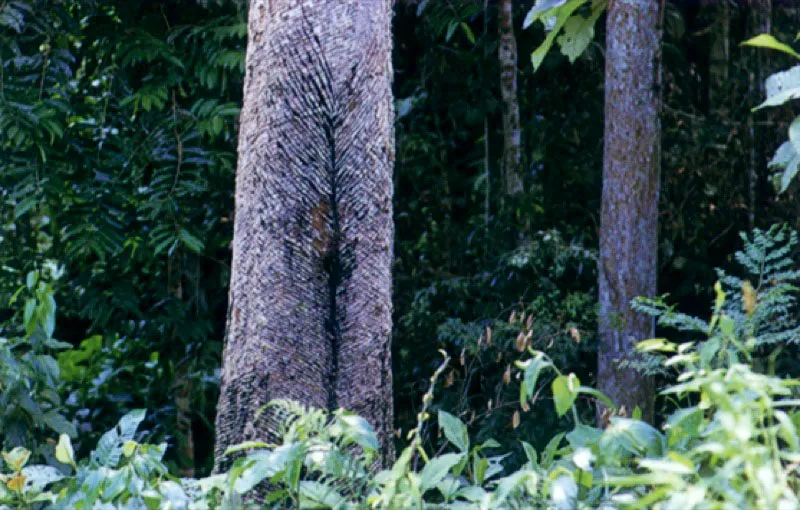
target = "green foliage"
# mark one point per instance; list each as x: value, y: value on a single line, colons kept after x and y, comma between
x: 29, y: 374
x: 758, y: 308
x: 732, y: 442
x: 782, y: 87
x: 118, y: 130
x: 556, y: 314
x: 558, y: 15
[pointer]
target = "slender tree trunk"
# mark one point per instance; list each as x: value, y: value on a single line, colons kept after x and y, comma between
x: 310, y: 299
x: 760, y: 23
x: 487, y: 174
x: 629, y: 216
x: 182, y: 385
x: 720, y: 54
x: 512, y: 138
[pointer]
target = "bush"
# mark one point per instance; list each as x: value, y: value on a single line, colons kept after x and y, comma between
x: 731, y: 440
x: 731, y: 443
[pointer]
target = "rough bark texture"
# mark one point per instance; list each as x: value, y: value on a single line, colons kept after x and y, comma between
x: 629, y: 217
x: 310, y: 299
x: 512, y: 138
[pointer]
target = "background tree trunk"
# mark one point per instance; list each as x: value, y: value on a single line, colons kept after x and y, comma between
x: 310, y: 299
x: 719, y: 59
x: 760, y: 17
x: 629, y: 216
x: 507, y: 54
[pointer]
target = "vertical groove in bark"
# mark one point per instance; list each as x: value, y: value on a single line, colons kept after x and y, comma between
x: 760, y: 23
x: 310, y: 299
x: 512, y: 138
x: 629, y: 216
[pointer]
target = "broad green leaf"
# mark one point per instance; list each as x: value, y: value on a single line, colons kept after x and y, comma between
x: 359, y: 431
x: 16, y: 458
x: 319, y: 495
x: 562, y: 15
x: 787, y: 159
x: 583, y: 436
x: 511, y: 483
x: 549, y: 452
x: 437, y: 468
x: 532, y: 371
x: 794, y: 134
x: 252, y: 476
x: 565, y: 390
x: 29, y: 316
x: 768, y: 41
x: 454, y: 430
x: 107, y: 453
x: 59, y: 424
x: 782, y: 87
x: 129, y: 423
x: 479, y: 467
x: 30, y: 279
x: 129, y: 448
x: 38, y: 477
x: 174, y: 494
x: 471, y: 493
x: 539, y: 10
x: 530, y: 453
x: 579, y: 32
x: 64, y: 452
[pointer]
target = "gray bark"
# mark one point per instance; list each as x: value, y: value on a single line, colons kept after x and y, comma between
x: 310, y: 297
x: 512, y: 137
x: 629, y: 215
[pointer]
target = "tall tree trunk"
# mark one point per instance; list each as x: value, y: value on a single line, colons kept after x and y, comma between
x: 487, y: 190
x: 629, y: 216
x: 760, y: 23
x: 507, y: 54
x: 310, y: 299
x: 182, y: 384
x: 719, y: 59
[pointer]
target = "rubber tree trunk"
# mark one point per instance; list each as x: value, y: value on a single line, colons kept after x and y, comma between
x: 629, y: 215
x: 512, y: 137
x: 310, y: 298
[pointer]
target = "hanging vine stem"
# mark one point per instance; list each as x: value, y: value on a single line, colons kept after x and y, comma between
x: 415, y: 434
x: 179, y: 142
x: 44, y: 68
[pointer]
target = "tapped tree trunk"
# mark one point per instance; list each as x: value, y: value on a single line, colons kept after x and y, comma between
x: 512, y: 137
x: 310, y: 298
x: 629, y: 216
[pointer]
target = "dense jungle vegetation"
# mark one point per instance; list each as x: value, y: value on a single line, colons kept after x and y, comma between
x: 130, y: 132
